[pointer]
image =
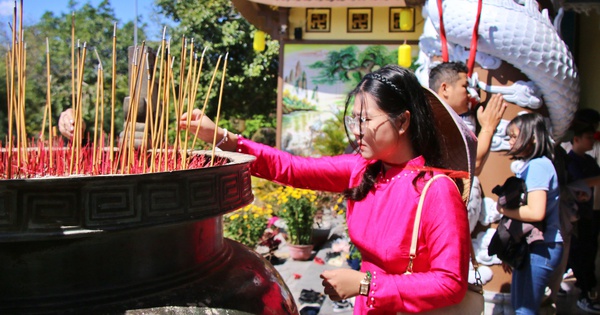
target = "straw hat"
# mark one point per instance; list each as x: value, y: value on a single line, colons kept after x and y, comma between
x: 458, y: 143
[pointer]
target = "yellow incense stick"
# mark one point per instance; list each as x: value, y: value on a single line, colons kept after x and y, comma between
x: 212, y: 157
x: 112, y: 99
x: 205, y: 101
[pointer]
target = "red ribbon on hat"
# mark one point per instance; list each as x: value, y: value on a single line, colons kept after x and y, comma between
x: 450, y: 173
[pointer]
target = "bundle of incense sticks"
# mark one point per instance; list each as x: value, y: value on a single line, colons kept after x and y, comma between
x: 49, y: 155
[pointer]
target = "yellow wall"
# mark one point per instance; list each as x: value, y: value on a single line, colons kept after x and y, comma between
x: 297, y: 18
x: 588, y: 60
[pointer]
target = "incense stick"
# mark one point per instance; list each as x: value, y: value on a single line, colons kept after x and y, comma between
x: 212, y: 157
x: 95, y: 143
x: 205, y: 101
x: 112, y: 99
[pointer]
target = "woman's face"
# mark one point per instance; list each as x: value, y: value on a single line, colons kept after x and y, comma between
x: 513, y: 134
x: 377, y: 136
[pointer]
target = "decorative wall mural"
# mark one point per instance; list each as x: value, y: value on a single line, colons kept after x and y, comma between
x: 317, y: 79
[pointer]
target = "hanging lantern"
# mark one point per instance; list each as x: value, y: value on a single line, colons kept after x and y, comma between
x: 404, y: 55
x: 259, y: 41
x: 406, y: 19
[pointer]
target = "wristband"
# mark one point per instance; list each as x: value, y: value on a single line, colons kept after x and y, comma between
x: 225, y: 138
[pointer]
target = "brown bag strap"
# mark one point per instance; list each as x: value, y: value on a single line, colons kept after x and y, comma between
x: 415, y: 234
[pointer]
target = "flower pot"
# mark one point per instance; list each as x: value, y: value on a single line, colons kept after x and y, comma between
x: 300, y: 252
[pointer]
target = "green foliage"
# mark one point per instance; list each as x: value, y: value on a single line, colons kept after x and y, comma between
x: 257, y: 122
x: 332, y: 140
x: 249, y: 126
x: 247, y: 225
x: 354, y: 254
x: 251, y: 76
x: 297, y: 208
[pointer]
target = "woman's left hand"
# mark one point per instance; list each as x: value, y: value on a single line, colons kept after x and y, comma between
x: 341, y: 284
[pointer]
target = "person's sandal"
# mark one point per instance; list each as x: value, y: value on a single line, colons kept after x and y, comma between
x: 310, y: 296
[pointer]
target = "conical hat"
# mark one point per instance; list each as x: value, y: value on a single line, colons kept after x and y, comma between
x: 458, y: 143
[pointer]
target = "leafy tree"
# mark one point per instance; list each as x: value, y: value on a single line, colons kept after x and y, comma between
x: 251, y: 77
x: 93, y: 26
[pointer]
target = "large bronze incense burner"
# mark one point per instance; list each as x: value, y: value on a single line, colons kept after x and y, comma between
x: 146, y: 243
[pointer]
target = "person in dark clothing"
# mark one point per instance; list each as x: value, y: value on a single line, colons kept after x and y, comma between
x: 584, y: 242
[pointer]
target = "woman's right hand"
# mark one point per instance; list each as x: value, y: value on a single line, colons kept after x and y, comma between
x: 199, y: 124
x: 204, y: 128
x: 341, y: 283
x: 66, y: 123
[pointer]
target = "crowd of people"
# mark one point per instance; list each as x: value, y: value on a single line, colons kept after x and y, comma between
x: 399, y: 149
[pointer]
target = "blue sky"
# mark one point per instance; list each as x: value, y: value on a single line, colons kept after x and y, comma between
x: 124, y: 11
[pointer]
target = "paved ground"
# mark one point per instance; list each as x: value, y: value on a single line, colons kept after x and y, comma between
x: 300, y: 275
x: 309, y: 272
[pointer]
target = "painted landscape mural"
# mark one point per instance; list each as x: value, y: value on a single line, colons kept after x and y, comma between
x: 317, y: 79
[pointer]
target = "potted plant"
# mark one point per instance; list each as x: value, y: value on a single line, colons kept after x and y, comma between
x: 297, y: 208
x: 247, y: 225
